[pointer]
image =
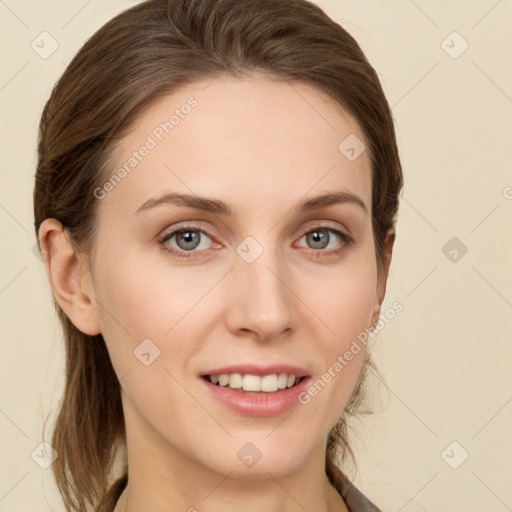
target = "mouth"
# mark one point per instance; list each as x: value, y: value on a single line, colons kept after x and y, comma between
x: 251, y: 390
x: 244, y: 383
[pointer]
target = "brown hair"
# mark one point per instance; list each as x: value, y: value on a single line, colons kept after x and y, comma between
x: 144, y: 52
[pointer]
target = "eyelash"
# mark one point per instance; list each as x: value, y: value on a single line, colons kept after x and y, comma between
x: 348, y: 241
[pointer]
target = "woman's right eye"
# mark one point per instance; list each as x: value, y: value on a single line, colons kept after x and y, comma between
x: 187, y: 239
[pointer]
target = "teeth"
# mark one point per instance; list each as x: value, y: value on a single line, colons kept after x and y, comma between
x: 251, y: 383
x: 235, y: 381
x: 267, y: 383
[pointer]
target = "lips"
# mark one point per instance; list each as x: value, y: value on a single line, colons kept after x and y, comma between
x: 256, y: 390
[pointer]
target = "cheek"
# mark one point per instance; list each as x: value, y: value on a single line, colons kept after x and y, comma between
x: 345, y: 307
x: 144, y: 300
x: 145, y: 320
x: 343, y: 301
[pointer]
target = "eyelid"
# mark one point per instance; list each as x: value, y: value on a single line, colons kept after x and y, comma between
x: 325, y: 224
x: 186, y: 225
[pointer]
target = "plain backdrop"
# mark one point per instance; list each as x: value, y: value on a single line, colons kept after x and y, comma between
x: 440, y: 439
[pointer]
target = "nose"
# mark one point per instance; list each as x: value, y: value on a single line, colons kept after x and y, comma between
x: 260, y: 298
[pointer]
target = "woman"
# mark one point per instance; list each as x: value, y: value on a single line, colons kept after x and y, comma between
x: 216, y: 199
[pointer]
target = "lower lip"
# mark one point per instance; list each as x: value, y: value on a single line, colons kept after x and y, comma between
x: 258, y: 403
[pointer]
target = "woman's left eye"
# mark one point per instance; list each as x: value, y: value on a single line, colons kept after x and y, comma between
x: 320, y: 238
x: 189, y: 238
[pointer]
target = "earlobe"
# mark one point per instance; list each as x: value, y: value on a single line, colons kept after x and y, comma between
x: 68, y: 280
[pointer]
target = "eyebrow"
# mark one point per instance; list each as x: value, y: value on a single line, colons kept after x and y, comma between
x: 218, y: 206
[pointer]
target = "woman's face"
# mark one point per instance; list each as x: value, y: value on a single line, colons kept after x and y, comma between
x: 255, y: 284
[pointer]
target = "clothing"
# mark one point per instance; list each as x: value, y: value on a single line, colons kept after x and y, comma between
x: 354, y: 499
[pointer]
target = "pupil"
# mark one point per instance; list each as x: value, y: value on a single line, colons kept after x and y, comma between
x: 318, y: 236
x: 189, y: 237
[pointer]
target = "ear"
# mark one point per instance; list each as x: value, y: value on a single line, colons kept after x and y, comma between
x: 382, y: 274
x: 70, y: 282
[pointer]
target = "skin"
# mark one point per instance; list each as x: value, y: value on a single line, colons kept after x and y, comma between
x: 262, y: 146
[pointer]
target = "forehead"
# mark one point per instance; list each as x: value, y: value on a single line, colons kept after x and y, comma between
x: 251, y: 141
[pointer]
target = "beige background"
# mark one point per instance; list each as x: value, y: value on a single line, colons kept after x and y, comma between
x: 445, y: 358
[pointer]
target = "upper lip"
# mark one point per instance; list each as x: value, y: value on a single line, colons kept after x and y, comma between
x: 253, y: 369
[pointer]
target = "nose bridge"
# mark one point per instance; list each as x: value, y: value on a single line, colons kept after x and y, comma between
x: 262, y: 295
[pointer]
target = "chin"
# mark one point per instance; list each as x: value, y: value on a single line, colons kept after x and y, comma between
x: 248, y: 461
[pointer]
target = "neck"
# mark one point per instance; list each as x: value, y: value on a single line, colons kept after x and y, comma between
x: 333, y: 503
x: 155, y: 486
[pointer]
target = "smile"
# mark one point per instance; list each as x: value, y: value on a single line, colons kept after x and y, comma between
x: 267, y: 383
x: 252, y: 390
